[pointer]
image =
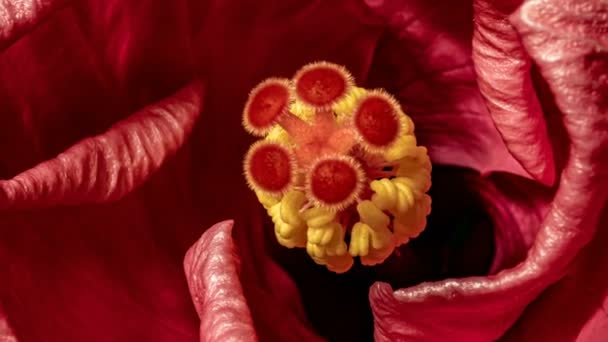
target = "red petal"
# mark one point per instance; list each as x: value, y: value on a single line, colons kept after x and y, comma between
x: 108, y: 166
x: 503, y: 70
x: 215, y: 276
x: 272, y: 295
x: 17, y: 17
x: 516, y: 208
x: 577, y: 304
x: 211, y: 269
x: 425, y: 60
x: 563, y: 40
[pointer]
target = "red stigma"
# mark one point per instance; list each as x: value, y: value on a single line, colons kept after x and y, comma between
x: 377, y: 121
x: 266, y: 104
x: 335, y: 181
x: 269, y: 167
x: 321, y: 84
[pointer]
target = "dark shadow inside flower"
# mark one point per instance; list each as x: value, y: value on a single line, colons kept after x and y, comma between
x: 458, y: 242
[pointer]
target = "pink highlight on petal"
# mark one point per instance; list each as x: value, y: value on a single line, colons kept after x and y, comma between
x: 211, y: 270
x: 563, y: 40
x: 110, y: 165
x: 19, y: 16
x: 6, y: 333
x: 503, y: 74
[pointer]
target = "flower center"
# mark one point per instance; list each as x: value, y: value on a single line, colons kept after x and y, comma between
x: 333, y: 154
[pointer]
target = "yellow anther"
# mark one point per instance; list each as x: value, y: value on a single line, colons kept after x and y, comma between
x: 290, y: 229
x: 325, y: 236
x: 372, y: 216
x: 317, y: 217
x: 345, y: 107
x: 337, y: 264
x: 326, y: 241
x: 302, y: 111
x: 371, y: 245
x: 414, y: 163
x: 412, y: 222
x: 278, y: 134
x: 405, y: 146
x: 290, y: 207
x: 371, y: 239
x: 266, y: 199
x: 393, y: 195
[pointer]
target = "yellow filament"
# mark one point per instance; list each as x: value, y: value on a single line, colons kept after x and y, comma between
x: 302, y: 111
x: 267, y: 200
x: 417, y: 161
x: 278, y: 134
x: 405, y: 145
x: 401, y: 193
x: 412, y: 222
x: 289, y: 227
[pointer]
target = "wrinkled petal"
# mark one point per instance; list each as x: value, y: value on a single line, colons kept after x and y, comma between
x: 516, y: 208
x: 119, y: 56
x: 211, y: 268
x: 566, y: 43
x: 274, y: 298
x: 215, y: 275
x: 577, y: 304
x: 425, y: 60
x: 114, y: 270
x: 17, y: 17
x: 108, y: 166
x: 503, y: 69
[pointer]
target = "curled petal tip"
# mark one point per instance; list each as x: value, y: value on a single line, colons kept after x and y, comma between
x: 109, y: 166
x: 18, y: 17
x: 212, y: 273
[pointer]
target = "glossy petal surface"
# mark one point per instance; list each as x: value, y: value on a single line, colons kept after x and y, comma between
x: 466, y: 309
x: 211, y: 269
x: 503, y: 69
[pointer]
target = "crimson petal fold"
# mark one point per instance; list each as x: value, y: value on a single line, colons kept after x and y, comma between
x: 503, y: 74
x: 109, y: 166
x: 565, y: 40
x: 424, y: 59
x: 211, y: 269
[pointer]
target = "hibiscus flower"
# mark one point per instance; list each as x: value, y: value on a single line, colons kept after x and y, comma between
x: 121, y: 144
